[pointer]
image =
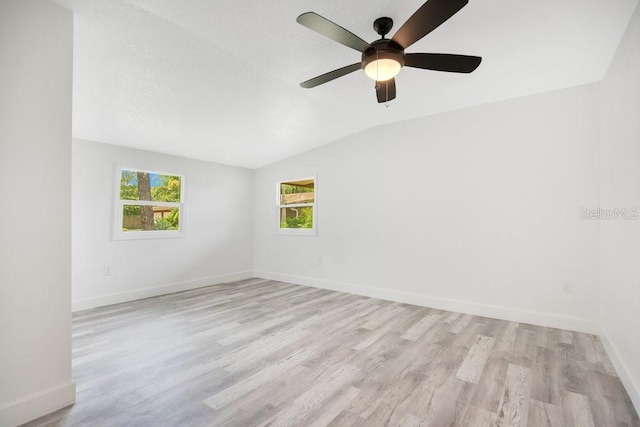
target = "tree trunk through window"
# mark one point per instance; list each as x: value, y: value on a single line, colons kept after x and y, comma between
x: 144, y: 193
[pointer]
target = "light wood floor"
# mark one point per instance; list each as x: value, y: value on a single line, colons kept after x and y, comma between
x: 269, y: 353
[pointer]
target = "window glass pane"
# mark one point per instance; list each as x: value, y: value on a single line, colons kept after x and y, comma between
x: 150, y: 218
x: 295, y: 192
x: 149, y: 186
x: 301, y: 217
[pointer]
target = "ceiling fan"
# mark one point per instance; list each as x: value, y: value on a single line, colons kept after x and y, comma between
x: 383, y: 59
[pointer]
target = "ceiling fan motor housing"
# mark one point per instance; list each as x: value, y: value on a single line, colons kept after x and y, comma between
x: 383, y: 25
x: 383, y: 49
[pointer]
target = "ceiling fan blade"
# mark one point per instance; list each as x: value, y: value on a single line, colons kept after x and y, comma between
x: 331, y: 75
x: 322, y: 25
x: 386, y: 91
x: 426, y: 19
x: 442, y: 62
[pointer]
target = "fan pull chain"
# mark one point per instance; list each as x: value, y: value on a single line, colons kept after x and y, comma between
x: 377, y: 72
x: 386, y: 104
x: 386, y: 84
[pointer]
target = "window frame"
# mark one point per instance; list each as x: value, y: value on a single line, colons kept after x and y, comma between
x: 119, y: 205
x: 314, y: 207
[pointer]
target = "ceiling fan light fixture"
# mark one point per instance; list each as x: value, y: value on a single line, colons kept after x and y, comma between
x: 382, y: 69
x: 383, y: 60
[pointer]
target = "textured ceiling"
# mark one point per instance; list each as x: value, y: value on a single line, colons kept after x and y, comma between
x: 219, y: 80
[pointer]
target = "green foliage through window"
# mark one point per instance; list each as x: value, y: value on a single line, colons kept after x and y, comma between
x: 162, y: 188
x: 296, y: 204
x: 158, y: 196
x: 296, y: 218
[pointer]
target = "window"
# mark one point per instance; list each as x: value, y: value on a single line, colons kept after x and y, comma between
x: 296, y: 206
x: 149, y: 205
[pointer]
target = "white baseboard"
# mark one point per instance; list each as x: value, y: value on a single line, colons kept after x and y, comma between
x: 110, y: 299
x: 37, y: 404
x: 621, y: 368
x: 477, y: 309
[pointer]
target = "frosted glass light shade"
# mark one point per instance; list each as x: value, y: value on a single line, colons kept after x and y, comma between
x: 382, y: 69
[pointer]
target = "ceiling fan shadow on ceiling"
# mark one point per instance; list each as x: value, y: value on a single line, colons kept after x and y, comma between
x: 383, y: 59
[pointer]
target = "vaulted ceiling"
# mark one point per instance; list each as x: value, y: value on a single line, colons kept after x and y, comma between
x: 219, y: 80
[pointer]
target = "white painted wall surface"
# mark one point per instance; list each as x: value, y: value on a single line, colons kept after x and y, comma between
x: 620, y: 188
x: 35, y: 232
x: 218, y: 246
x: 474, y: 210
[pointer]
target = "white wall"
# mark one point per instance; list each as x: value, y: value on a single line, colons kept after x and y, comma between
x: 35, y: 218
x: 218, y: 216
x: 620, y: 188
x: 475, y: 210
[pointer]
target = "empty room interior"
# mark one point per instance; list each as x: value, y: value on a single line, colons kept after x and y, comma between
x: 297, y: 213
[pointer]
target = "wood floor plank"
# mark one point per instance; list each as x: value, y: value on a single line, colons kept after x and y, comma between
x: 491, y: 386
x: 332, y: 410
x: 477, y: 417
x: 409, y: 420
x: 263, y: 347
x: 509, y: 337
x: 577, y: 410
x: 571, y: 372
x: 473, y: 364
x: 249, y: 332
x: 461, y: 324
x: 450, y: 317
x: 544, y: 381
x: 262, y: 352
x: 542, y: 414
x: 513, y: 410
x: 347, y: 418
x: 566, y: 337
x: 421, y: 327
x: 608, y: 399
x: 383, y: 316
x: 371, y: 338
x: 244, y: 386
x: 296, y: 411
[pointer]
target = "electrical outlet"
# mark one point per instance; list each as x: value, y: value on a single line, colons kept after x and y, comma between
x: 106, y: 270
x: 319, y: 260
x: 567, y: 287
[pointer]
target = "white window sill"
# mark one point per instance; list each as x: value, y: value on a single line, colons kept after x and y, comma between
x: 144, y: 235
x: 296, y: 232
